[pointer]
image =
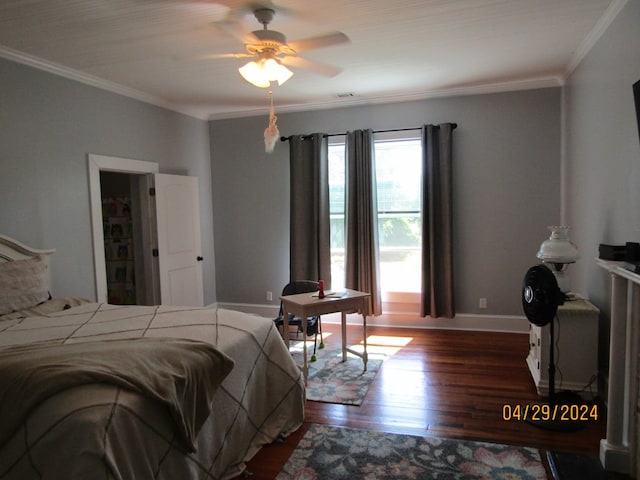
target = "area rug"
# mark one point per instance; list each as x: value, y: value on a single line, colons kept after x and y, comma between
x: 333, y: 381
x: 328, y: 452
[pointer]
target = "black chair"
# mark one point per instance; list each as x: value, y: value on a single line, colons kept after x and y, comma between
x: 313, y: 324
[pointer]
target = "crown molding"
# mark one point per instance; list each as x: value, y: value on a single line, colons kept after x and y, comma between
x: 594, y: 35
x: 479, y: 89
x: 66, y: 72
x: 475, y: 89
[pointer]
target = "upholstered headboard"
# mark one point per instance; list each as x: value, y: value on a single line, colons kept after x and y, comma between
x: 25, y: 277
x: 11, y: 249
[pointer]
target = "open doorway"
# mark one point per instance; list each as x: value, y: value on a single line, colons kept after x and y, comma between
x: 165, y: 232
x: 123, y: 219
x: 123, y: 225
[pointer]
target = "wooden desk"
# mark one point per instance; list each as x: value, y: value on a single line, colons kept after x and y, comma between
x: 305, y: 305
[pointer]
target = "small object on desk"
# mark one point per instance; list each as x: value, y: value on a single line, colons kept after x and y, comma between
x: 320, y: 289
x: 330, y: 294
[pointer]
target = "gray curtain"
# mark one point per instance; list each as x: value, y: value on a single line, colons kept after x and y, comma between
x: 437, y: 223
x: 310, y: 255
x: 362, y: 257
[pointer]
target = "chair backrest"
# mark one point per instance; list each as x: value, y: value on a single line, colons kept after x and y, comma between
x: 298, y: 286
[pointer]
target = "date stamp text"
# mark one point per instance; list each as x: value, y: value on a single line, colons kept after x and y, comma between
x: 544, y: 412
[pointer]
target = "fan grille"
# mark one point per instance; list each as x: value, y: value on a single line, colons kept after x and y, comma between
x: 541, y: 295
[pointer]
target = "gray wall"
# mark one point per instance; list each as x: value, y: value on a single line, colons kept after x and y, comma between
x: 507, y: 173
x: 602, y: 159
x: 506, y: 190
x: 48, y: 125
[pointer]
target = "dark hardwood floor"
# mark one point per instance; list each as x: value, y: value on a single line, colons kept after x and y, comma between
x: 443, y: 383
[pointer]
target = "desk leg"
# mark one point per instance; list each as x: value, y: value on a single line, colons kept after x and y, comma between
x: 287, y: 341
x: 343, y: 316
x: 365, y: 355
x: 285, y: 326
x: 305, y: 366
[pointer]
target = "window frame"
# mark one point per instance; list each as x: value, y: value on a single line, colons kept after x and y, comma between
x: 412, y: 298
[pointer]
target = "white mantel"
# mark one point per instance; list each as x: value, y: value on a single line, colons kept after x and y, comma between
x: 618, y: 452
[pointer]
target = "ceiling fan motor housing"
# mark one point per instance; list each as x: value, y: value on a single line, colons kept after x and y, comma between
x: 271, y: 42
x: 264, y: 15
x: 270, y: 36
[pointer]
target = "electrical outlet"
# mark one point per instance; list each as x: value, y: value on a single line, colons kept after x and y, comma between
x: 482, y: 303
x: 269, y: 296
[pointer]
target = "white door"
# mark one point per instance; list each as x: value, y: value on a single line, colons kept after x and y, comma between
x: 179, y: 250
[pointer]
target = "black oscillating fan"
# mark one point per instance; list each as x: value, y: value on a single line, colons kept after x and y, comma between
x: 541, y: 295
x: 541, y: 298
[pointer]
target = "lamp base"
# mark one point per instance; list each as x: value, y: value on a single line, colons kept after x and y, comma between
x: 564, y: 284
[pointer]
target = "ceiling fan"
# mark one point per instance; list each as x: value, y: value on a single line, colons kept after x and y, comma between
x: 271, y: 51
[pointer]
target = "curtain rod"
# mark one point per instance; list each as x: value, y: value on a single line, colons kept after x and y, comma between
x: 284, y: 139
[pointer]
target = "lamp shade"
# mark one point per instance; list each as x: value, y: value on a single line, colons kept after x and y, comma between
x: 263, y: 71
x: 558, y: 248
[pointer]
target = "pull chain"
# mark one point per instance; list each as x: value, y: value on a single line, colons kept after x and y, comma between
x: 271, y: 133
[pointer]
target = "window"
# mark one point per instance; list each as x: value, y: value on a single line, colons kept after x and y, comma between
x: 337, y: 211
x: 398, y: 170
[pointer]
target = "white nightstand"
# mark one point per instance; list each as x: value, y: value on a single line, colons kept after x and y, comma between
x: 576, y: 353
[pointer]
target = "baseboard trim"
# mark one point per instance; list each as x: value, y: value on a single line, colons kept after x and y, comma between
x: 488, y: 323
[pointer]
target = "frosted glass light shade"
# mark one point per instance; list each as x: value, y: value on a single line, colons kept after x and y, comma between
x: 264, y: 71
x: 558, y: 248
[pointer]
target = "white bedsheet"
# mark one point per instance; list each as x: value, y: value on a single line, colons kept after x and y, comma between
x: 102, y: 431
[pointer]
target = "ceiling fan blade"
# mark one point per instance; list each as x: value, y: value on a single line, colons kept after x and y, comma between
x: 321, y: 41
x: 213, y: 56
x: 236, y: 29
x: 320, y: 68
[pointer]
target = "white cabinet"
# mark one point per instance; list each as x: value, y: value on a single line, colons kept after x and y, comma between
x: 576, y: 349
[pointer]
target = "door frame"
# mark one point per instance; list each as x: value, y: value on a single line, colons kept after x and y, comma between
x: 96, y: 164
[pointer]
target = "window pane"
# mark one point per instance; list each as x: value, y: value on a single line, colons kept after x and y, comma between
x: 336, y: 209
x: 399, y: 174
x: 398, y: 169
x: 398, y: 178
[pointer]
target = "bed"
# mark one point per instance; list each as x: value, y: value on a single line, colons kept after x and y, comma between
x: 100, y: 391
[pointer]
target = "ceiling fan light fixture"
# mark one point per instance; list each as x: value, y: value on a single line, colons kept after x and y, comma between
x: 263, y: 71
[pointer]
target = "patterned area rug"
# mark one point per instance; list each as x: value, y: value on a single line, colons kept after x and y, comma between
x: 333, y: 381
x: 328, y: 452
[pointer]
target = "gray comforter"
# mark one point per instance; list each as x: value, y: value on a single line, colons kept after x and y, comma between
x: 181, y: 374
x: 106, y: 431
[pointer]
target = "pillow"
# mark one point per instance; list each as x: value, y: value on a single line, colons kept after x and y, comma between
x: 23, y: 284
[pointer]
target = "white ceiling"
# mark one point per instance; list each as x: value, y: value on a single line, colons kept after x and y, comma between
x: 399, y: 49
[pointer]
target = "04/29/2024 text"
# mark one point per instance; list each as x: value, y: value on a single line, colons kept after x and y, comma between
x: 550, y: 412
